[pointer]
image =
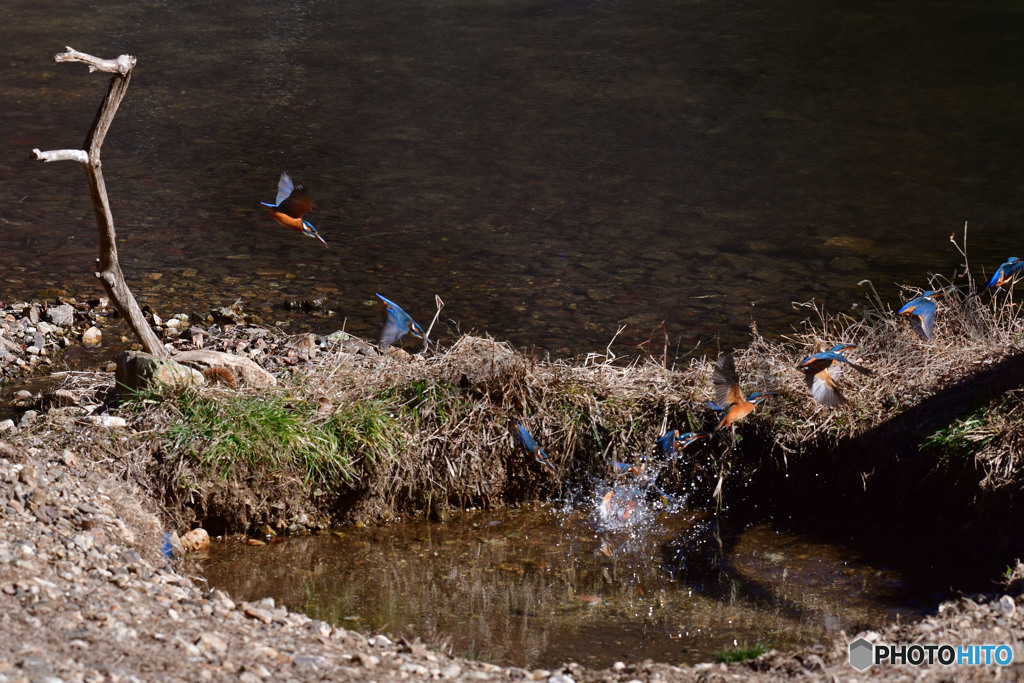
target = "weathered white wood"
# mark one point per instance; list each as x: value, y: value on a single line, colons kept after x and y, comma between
x: 122, y: 65
x: 108, y: 269
x: 79, y: 155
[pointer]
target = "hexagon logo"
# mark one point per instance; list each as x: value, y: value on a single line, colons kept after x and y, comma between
x: 861, y: 654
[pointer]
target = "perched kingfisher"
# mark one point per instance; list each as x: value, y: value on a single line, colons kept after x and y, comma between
x: 922, y: 313
x: 729, y: 399
x: 672, y: 441
x: 396, y: 323
x: 821, y: 370
x: 292, y: 204
x: 531, y: 447
x: 1005, y: 272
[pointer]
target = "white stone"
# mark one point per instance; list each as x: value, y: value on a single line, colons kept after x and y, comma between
x: 106, y: 421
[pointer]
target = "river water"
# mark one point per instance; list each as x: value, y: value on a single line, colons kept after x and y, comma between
x: 552, y: 169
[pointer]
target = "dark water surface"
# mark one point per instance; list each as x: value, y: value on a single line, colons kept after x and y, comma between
x: 551, y: 168
x: 540, y: 587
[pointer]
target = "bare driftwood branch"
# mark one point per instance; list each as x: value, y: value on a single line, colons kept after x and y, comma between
x: 122, y: 65
x: 79, y: 155
x: 108, y: 269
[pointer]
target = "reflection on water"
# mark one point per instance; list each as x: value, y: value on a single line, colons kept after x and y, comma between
x: 541, y: 587
x: 551, y: 168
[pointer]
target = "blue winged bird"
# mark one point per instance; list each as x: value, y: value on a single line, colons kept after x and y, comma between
x: 1005, y: 273
x: 530, y: 446
x: 822, y: 370
x: 626, y: 468
x: 729, y: 399
x: 396, y: 323
x: 921, y: 312
x: 291, y: 205
x: 671, y: 442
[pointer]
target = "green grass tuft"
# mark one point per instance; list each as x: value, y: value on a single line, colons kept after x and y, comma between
x: 963, y: 438
x: 238, y: 434
x: 741, y: 654
x: 365, y: 430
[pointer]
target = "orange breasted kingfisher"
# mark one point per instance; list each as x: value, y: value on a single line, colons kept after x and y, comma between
x: 396, y: 323
x: 1005, y: 272
x: 729, y: 400
x: 921, y: 312
x: 672, y: 441
x: 821, y: 370
x: 291, y: 205
x: 530, y: 446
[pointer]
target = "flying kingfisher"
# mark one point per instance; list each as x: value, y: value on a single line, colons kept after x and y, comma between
x: 530, y: 446
x: 396, y: 323
x: 671, y: 442
x: 729, y: 400
x: 292, y: 204
x: 922, y: 313
x: 1005, y: 273
x: 821, y: 370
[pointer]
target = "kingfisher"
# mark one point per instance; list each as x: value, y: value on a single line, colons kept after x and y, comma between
x: 530, y: 446
x: 729, y: 399
x: 821, y: 370
x: 1005, y: 273
x: 626, y: 468
x: 922, y: 313
x: 292, y: 204
x: 672, y: 441
x: 396, y: 323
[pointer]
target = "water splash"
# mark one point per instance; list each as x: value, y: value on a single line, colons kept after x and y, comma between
x: 620, y: 507
x: 628, y: 509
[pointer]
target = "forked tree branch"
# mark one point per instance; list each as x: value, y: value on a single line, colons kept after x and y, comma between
x: 108, y: 269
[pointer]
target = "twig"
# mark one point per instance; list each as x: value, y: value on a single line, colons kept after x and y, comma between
x: 426, y: 337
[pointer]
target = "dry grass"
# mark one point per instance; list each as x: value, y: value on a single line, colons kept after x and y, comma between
x: 456, y: 411
x: 953, y: 397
